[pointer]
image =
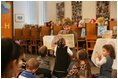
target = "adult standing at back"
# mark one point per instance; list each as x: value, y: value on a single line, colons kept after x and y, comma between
x: 67, y: 30
x: 67, y: 23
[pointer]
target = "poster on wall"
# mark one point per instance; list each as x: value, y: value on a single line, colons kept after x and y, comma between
x: 76, y: 10
x: 102, y: 9
x: 7, y: 19
x: 60, y: 10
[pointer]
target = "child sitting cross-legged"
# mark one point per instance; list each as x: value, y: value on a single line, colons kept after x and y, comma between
x: 44, y: 59
x: 31, y: 67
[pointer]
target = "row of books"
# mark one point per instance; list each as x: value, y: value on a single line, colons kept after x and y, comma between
x: 101, y: 32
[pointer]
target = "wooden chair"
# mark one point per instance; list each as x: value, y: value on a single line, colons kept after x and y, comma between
x: 90, y: 42
x: 56, y: 29
x: 44, y: 31
x: 24, y: 44
x: 26, y: 39
x: 78, y: 31
x: 26, y: 33
x: 91, y: 35
x: 35, y: 32
x: 34, y: 43
x: 34, y: 40
x: 91, y: 29
x: 18, y: 34
x: 112, y: 24
x: 78, y: 47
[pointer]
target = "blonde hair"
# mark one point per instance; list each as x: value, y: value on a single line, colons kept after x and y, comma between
x: 32, y: 64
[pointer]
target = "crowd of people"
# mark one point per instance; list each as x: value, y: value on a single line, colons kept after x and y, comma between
x: 69, y: 63
x: 64, y: 66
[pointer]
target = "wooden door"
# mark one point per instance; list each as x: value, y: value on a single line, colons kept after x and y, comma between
x: 6, y: 19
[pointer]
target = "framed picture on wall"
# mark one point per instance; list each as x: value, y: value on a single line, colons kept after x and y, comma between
x: 19, y: 18
x: 60, y: 10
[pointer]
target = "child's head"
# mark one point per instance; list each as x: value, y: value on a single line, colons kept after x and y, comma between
x: 61, y: 42
x: 82, y: 55
x: 32, y: 65
x: 43, y: 51
x: 108, y: 50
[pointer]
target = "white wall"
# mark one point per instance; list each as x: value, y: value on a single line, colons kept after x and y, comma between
x: 20, y: 8
x: 68, y: 9
x: 113, y: 9
x: 33, y: 17
x: 51, y: 7
x: 89, y: 9
x: 52, y: 10
x: 31, y: 11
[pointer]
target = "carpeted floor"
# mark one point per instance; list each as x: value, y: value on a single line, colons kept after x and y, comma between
x: 94, y: 69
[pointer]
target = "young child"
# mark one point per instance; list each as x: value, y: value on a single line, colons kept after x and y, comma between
x: 106, y: 61
x: 44, y: 60
x: 31, y: 67
x: 62, y: 61
x: 81, y: 69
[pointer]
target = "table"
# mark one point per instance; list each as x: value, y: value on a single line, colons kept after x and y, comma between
x: 98, y: 47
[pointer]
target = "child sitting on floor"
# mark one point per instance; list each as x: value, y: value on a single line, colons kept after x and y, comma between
x: 31, y: 67
x: 81, y: 69
x: 106, y: 61
x: 44, y: 60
